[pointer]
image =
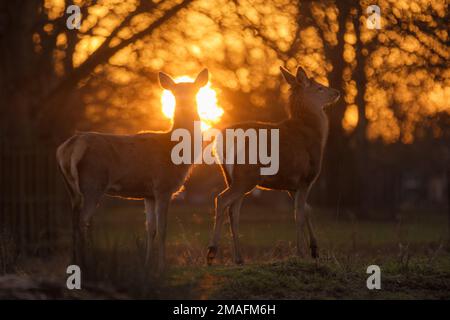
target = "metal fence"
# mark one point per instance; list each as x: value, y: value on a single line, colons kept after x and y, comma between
x: 32, y: 197
x: 35, y: 210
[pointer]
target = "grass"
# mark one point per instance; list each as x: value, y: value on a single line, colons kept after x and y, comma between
x: 296, y: 279
x: 410, y: 252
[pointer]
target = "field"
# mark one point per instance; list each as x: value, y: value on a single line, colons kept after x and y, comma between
x: 358, y: 90
x: 411, y: 253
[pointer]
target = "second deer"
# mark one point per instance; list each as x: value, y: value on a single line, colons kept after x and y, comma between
x: 302, y: 139
x: 130, y: 166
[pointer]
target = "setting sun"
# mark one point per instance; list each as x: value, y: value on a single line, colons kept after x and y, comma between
x: 209, y: 110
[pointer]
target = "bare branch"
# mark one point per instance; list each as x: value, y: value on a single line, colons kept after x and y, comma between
x: 105, y: 51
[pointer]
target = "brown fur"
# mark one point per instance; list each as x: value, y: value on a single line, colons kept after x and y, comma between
x: 302, y: 139
x: 137, y: 166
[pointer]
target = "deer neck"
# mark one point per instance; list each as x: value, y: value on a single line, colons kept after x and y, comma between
x: 185, y: 120
x: 312, y: 117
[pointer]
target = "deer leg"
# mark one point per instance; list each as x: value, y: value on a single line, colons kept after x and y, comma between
x: 85, y: 230
x: 299, y: 205
x: 312, y: 237
x: 150, y: 227
x: 234, y: 213
x: 161, y: 206
x: 223, y: 201
x: 92, y: 190
x: 81, y: 240
x: 77, y: 245
x: 220, y: 207
x: 85, y: 221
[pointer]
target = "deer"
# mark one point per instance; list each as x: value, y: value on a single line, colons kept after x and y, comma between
x: 302, y: 139
x: 136, y: 166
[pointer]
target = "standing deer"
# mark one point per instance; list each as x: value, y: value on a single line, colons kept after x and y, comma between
x: 135, y: 166
x: 302, y: 139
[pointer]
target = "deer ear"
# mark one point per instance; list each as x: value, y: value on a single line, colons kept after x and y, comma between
x: 202, y: 78
x: 289, y: 77
x: 302, y: 78
x: 166, y: 81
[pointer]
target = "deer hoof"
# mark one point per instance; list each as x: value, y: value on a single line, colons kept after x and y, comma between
x: 212, y: 251
x: 239, y: 261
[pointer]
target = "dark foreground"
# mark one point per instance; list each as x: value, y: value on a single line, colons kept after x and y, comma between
x: 411, y: 252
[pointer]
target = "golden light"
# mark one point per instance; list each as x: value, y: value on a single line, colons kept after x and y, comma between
x: 350, y: 120
x: 208, y: 109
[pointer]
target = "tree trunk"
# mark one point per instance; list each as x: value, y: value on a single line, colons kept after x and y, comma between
x: 337, y: 146
x: 360, y: 150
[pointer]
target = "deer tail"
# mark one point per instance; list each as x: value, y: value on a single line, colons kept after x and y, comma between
x: 68, y: 155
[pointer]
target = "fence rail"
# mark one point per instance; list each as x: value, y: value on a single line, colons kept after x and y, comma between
x: 32, y: 199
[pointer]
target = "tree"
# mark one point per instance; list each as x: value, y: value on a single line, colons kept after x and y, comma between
x: 37, y: 53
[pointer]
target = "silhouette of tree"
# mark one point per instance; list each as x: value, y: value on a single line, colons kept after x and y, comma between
x: 37, y: 54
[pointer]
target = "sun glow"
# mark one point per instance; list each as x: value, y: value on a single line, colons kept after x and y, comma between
x: 208, y: 109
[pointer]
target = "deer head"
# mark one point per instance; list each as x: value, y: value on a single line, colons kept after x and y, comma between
x: 185, y: 95
x: 307, y: 93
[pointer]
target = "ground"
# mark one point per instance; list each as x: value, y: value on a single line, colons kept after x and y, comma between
x: 411, y: 252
